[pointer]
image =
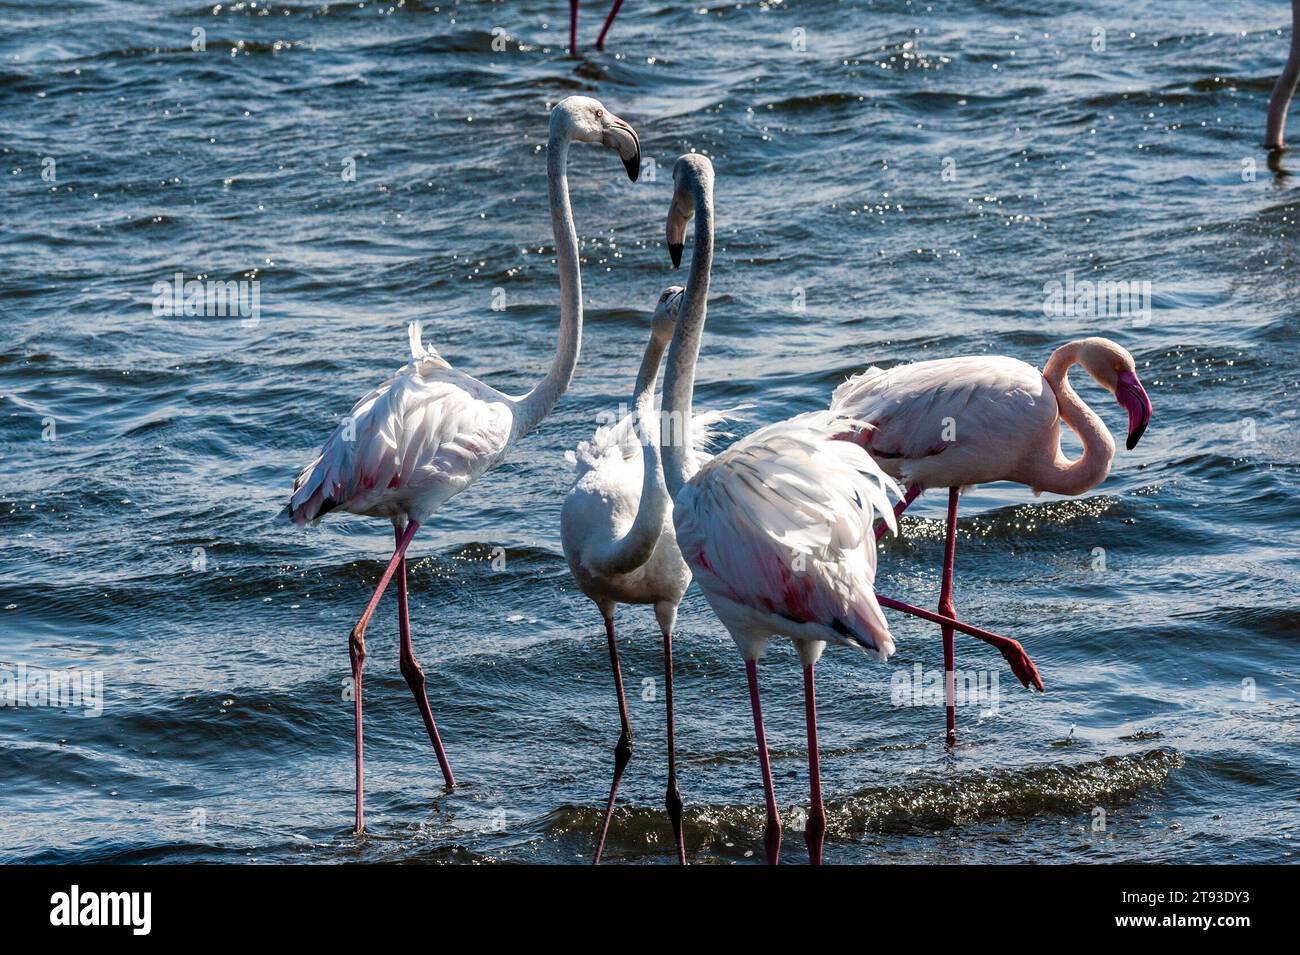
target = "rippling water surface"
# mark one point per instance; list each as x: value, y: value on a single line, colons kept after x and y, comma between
x: 916, y: 176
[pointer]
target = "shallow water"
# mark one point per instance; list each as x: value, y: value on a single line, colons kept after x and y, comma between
x: 916, y: 176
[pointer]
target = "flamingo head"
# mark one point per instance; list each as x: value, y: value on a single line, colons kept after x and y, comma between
x: 667, y: 309
x: 1115, y: 370
x: 690, y: 172
x: 586, y: 120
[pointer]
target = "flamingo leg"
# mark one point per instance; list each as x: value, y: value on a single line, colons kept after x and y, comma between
x: 673, y: 800
x: 772, y: 832
x: 1015, y: 654
x: 623, y: 751
x: 913, y: 492
x: 946, y: 608
x: 609, y: 21
x: 573, y: 27
x: 815, y: 834
x: 413, y: 672
x: 357, y: 654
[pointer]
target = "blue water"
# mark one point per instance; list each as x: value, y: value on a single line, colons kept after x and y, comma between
x: 916, y: 175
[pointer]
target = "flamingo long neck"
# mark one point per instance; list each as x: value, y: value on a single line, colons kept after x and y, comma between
x: 1056, y: 472
x: 679, y: 379
x: 537, y: 404
x: 1285, y: 86
x: 635, y: 547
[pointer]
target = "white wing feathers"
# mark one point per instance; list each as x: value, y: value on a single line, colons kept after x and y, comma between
x: 620, y: 441
x: 781, y: 523
x: 911, y: 406
x: 416, y: 440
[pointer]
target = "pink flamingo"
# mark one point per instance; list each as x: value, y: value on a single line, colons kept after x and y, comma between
x: 573, y: 25
x: 424, y: 435
x: 957, y: 422
x: 777, y: 529
x: 1280, y: 100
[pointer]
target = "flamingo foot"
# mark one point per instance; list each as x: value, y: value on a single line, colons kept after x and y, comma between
x: 1021, y: 665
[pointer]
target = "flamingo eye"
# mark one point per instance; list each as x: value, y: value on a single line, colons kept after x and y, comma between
x: 600, y: 113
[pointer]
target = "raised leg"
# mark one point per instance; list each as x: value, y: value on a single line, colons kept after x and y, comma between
x: 673, y: 800
x: 815, y: 835
x: 357, y: 653
x: 1011, y: 649
x: 623, y: 751
x: 772, y: 832
x: 946, y: 608
x: 414, y: 673
x: 573, y: 27
x: 609, y: 21
x: 913, y: 492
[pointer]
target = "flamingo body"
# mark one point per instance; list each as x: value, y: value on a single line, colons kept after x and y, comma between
x: 408, y: 446
x: 777, y: 530
x: 953, y: 422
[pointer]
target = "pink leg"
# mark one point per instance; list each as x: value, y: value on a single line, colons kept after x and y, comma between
x: 815, y: 835
x: 357, y: 653
x: 772, y: 832
x: 609, y: 21
x: 623, y: 751
x: 573, y: 27
x: 1011, y: 649
x: 414, y: 673
x: 673, y: 799
x: 913, y: 492
x: 946, y: 608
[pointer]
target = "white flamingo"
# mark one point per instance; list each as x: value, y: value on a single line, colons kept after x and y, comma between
x: 618, y: 538
x: 777, y: 529
x: 424, y: 435
x: 957, y: 422
x: 1280, y: 99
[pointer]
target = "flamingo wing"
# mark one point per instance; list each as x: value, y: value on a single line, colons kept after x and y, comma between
x: 412, y: 443
x: 983, y: 405
x: 780, y: 525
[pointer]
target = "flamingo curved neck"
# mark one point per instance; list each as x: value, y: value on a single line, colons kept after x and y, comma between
x: 537, y: 404
x: 1053, y: 471
x: 679, y: 379
x: 636, y: 546
x: 1285, y: 87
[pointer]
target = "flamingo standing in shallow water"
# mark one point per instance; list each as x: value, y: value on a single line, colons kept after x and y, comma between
x: 618, y: 539
x: 573, y: 25
x: 777, y: 529
x: 956, y: 422
x: 424, y: 435
x: 1280, y: 100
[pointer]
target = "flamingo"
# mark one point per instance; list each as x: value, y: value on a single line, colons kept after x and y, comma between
x: 618, y: 539
x: 777, y: 529
x: 957, y: 422
x: 1285, y: 87
x: 573, y: 25
x: 425, y: 434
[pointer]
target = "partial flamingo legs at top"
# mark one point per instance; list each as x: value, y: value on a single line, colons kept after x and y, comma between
x: 424, y: 435
x: 777, y: 529
x: 604, y: 30
x: 956, y: 422
x: 1285, y: 87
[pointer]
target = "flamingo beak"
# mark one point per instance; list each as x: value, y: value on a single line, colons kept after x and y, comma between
x: 1133, y: 398
x: 622, y: 137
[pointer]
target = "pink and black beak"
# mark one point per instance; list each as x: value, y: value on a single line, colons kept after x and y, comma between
x: 1133, y: 397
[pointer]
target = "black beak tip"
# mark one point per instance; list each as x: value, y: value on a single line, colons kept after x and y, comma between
x: 675, y: 251
x: 633, y: 166
x: 1135, y: 436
